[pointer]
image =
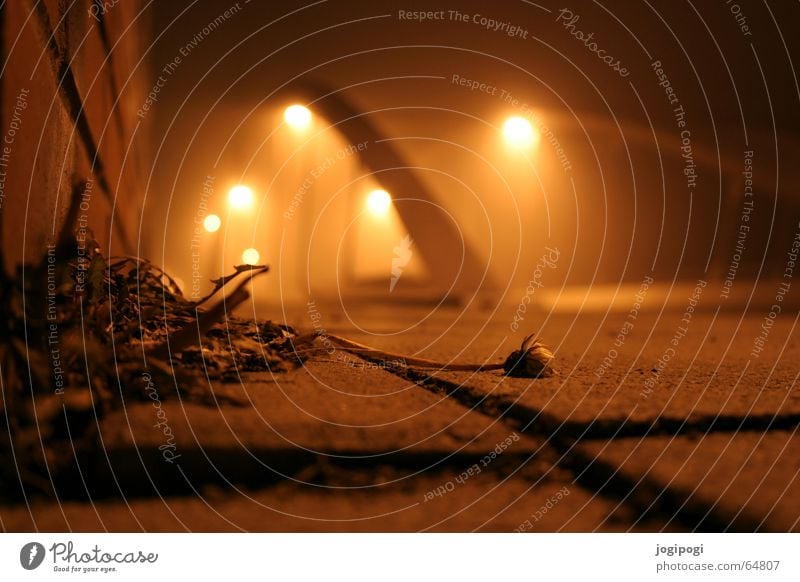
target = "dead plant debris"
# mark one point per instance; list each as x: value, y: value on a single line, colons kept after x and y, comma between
x: 84, y: 333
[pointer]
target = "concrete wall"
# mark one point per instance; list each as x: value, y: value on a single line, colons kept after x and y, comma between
x: 73, y: 77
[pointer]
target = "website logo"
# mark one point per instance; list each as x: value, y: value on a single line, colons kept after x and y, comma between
x: 31, y: 555
x: 402, y: 255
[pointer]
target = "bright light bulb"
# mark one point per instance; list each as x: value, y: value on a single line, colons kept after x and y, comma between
x: 167, y: 282
x: 519, y: 132
x: 379, y: 202
x: 212, y: 223
x: 241, y: 197
x: 250, y: 257
x: 297, y: 116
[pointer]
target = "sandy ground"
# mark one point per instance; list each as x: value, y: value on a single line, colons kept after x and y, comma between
x: 679, y: 429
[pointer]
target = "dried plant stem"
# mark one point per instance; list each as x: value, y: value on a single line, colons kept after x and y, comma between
x: 117, y: 261
x: 532, y: 360
x: 252, y: 270
x: 191, y: 334
x: 361, y: 349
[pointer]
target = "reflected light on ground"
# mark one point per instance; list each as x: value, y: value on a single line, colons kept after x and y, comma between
x: 379, y: 202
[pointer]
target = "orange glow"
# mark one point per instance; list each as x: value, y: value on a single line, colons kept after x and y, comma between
x: 212, y: 223
x: 251, y: 256
x: 241, y: 197
x: 519, y: 132
x: 297, y: 116
x: 379, y: 202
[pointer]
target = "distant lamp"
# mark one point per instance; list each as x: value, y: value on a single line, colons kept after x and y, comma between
x: 250, y: 257
x: 212, y: 223
x: 168, y: 282
x: 379, y: 202
x: 241, y: 197
x: 519, y: 132
x: 297, y: 116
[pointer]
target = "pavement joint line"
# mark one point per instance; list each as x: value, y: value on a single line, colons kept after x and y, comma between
x: 644, y: 495
x: 225, y: 466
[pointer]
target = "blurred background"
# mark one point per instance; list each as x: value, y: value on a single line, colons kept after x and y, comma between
x: 600, y: 177
x: 425, y: 159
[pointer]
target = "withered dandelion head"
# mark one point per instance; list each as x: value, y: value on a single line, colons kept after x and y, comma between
x: 531, y: 360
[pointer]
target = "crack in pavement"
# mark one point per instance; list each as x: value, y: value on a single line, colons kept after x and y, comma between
x: 645, y: 495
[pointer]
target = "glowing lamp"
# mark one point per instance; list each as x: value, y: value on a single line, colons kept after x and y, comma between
x: 519, y: 132
x: 378, y: 202
x: 297, y: 116
x: 241, y: 197
x: 250, y: 256
x: 212, y: 223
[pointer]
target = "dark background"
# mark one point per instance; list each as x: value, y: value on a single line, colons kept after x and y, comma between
x: 623, y: 211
